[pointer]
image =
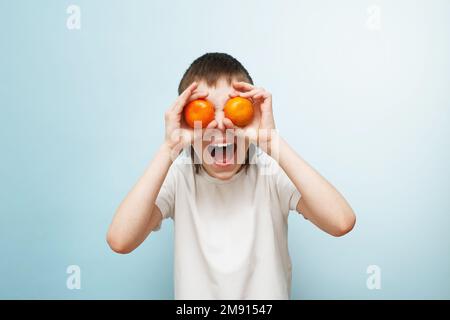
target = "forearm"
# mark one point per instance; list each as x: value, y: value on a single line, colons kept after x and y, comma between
x: 321, y: 202
x: 130, y: 224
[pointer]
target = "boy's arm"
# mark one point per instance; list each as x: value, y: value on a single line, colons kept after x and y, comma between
x: 138, y: 215
x: 320, y: 203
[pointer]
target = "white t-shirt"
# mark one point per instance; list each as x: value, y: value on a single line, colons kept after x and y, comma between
x: 230, y: 236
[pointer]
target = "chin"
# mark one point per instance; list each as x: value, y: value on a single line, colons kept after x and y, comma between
x: 222, y: 173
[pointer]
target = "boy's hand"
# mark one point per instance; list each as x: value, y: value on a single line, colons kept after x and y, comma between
x: 178, y: 133
x: 260, y: 129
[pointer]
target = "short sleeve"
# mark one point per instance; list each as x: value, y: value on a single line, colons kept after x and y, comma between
x: 288, y: 194
x: 165, y: 200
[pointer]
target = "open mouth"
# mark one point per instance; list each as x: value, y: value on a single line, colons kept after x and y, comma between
x: 222, y: 153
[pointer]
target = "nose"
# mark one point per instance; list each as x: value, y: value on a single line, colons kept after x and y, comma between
x: 219, y: 119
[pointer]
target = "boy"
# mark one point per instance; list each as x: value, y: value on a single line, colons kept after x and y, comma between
x: 230, y: 216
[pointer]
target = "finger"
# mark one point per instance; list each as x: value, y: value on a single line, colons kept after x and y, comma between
x: 206, y: 132
x: 188, y: 91
x: 198, y: 95
x: 250, y: 94
x: 263, y: 94
x: 242, y: 86
x: 183, y: 98
x: 228, y: 123
x: 212, y: 124
x: 233, y: 94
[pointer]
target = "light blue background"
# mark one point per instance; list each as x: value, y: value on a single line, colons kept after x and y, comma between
x: 82, y: 115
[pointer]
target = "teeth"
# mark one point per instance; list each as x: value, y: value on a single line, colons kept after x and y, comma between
x: 221, y: 145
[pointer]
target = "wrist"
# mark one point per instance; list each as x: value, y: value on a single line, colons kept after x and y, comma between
x: 167, y: 151
x: 268, y: 140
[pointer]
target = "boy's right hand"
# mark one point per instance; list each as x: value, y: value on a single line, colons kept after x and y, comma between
x: 178, y: 134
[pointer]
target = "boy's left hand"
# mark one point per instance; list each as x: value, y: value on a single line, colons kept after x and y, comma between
x: 260, y: 129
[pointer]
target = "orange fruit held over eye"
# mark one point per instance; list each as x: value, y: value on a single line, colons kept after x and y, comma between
x: 239, y: 110
x: 199, y: 110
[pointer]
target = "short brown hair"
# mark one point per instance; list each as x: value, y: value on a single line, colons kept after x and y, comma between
x: 211, y: 67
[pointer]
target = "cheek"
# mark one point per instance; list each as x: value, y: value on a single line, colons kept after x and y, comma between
x: 204, y: 145
x: 206, y: 158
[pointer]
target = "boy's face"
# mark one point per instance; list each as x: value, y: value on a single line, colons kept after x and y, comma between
x: 221, y: 159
